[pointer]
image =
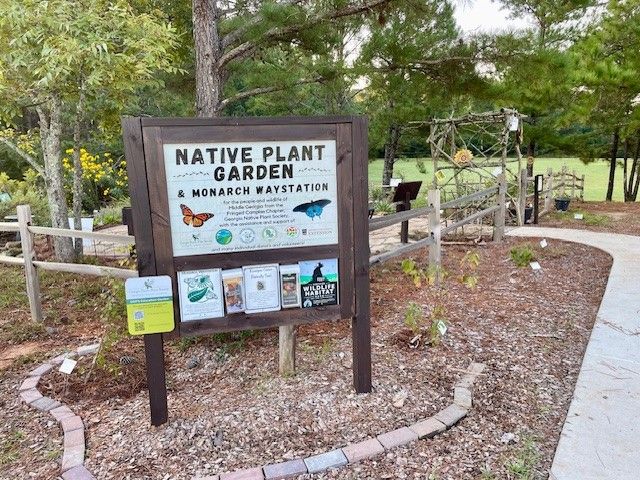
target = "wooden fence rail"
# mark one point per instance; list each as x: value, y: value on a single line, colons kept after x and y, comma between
x: 31, y: 264
x: 436, y: 230
x: 558, y: 184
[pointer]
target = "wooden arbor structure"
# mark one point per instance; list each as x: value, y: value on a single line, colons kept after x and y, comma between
x: 471, y: 151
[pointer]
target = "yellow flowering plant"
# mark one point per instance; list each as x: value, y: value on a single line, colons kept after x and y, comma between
x: 104, y: 177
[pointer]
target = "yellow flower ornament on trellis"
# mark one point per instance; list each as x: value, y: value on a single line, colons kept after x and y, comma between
x: 463, y: 157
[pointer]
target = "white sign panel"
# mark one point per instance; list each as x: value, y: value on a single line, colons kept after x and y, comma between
x: 262, y: 288
x: 201, y: 294
x: 233, y: 197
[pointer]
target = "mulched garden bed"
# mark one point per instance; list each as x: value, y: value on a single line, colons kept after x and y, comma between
x: 232, y: 411
x: 614, y: 217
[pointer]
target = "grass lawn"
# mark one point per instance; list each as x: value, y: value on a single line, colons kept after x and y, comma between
x: 596, y: 174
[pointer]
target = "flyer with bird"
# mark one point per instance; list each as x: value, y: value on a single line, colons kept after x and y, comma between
x: 237, y: 196
x: 319, y: 282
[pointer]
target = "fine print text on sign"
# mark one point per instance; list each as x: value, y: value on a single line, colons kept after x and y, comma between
x: 149, y: 305
x: 233, y: 197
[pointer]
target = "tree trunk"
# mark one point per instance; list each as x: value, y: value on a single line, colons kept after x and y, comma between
x: 50, y: 133
x: 614, y: 159
x: 634, y: 180
x: 390, y: 151
x: 208, y: 51
x: 531, y: 152
x: 77, y: 173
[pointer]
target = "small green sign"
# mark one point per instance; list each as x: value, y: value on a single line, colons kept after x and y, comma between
x: 149, y: 305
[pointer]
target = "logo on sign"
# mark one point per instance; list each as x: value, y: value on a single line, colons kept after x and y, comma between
x: 224, y: 236
x: 269, y: 233
x: 247, y: 235
x: 292, y: 232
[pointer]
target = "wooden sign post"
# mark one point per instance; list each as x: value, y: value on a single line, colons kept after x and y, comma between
x: 246, y: 201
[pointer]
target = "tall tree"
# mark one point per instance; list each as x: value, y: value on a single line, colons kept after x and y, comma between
x: 227, y: 33
x: 607, y: 85
x: 418, y: 67
x: 54, y: 53
x: 537, y: 80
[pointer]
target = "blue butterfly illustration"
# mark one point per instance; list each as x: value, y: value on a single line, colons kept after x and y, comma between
x: 312, y: 209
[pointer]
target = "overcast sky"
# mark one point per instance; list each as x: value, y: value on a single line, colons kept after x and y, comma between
x: 485, y: 16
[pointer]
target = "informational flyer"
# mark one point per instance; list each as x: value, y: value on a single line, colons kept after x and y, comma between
x: 201, y: 294
x: 149, y: 305
x: 290, y: 286
x: 262, y: 288
x: 233, y: 286
x: 319, y: 282
x: 233, y: 197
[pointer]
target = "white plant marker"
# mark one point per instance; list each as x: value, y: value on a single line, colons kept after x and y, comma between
x: 543, y: 243
x: 442, y: 327
x: 578, y: 216
x: 535, y: 266
x: 68, y: 365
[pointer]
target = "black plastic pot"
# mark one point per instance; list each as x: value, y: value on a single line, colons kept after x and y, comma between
x: 528, y: 213
x: 562, y: 204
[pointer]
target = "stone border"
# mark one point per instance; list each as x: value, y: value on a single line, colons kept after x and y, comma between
x: 74, y: 439
x: 355, y: 452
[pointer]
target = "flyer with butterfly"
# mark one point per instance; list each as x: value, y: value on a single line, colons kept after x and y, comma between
x: 234, y: 197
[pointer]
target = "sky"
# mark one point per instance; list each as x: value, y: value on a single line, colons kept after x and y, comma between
x: 485, y: 16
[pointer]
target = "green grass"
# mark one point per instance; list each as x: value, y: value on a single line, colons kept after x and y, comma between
x: 596, y: 174
x: 523, y: 465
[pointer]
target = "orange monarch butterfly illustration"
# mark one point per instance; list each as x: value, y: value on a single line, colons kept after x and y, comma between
x: 194, y: 219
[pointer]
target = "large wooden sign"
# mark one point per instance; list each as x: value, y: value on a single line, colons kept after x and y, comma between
x: 259, y: 222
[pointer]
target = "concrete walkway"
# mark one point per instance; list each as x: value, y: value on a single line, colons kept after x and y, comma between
x: 601, y: 436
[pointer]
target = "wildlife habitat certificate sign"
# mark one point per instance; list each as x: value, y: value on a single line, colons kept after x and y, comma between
x: 149, y: 304
x: 233, y: 197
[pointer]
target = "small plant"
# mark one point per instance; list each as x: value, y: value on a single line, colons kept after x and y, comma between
x: 414, y: 318
x: 593, y: 219
x: 377, y: 194
x: 469, y: 264
x: 384, y: 207
x: 422, y: 168
x: 523, y: 466
x: 418, y: 275
x: 522, y: 255
x: 9, y: 447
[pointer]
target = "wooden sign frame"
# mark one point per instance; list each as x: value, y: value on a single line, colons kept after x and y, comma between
x: 144, y: 139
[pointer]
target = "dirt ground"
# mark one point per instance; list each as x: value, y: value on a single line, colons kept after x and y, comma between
x: 232, y: 410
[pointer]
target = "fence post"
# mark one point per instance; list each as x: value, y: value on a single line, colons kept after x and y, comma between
x: 28, y: 253
x: 563, y: 174
x: 287, y: 349
x: 574, y: 179
x: 498, y: 219
x: 582, y: 189
x: 435, y: 255
x: 522, y: 198
x: 548, y: 197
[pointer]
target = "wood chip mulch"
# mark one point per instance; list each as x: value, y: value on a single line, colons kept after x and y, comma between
x: 232, y: 411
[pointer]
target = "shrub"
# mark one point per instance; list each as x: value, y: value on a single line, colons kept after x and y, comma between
x: 522, y: 255
x: 29, y: 191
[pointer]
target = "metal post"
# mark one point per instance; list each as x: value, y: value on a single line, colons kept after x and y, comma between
x: 498, y: 219
x: 538, y: 187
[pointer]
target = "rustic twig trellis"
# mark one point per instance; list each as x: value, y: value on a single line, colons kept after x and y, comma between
x: 491, y: 137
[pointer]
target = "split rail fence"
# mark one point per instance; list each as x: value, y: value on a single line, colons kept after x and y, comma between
x: 31, y: 265
x: 434, y: 211
x: 562, y: 184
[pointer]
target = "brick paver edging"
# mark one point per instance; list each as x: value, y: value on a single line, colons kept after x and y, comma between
x: 355, y: 452
x: 72, y: 427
